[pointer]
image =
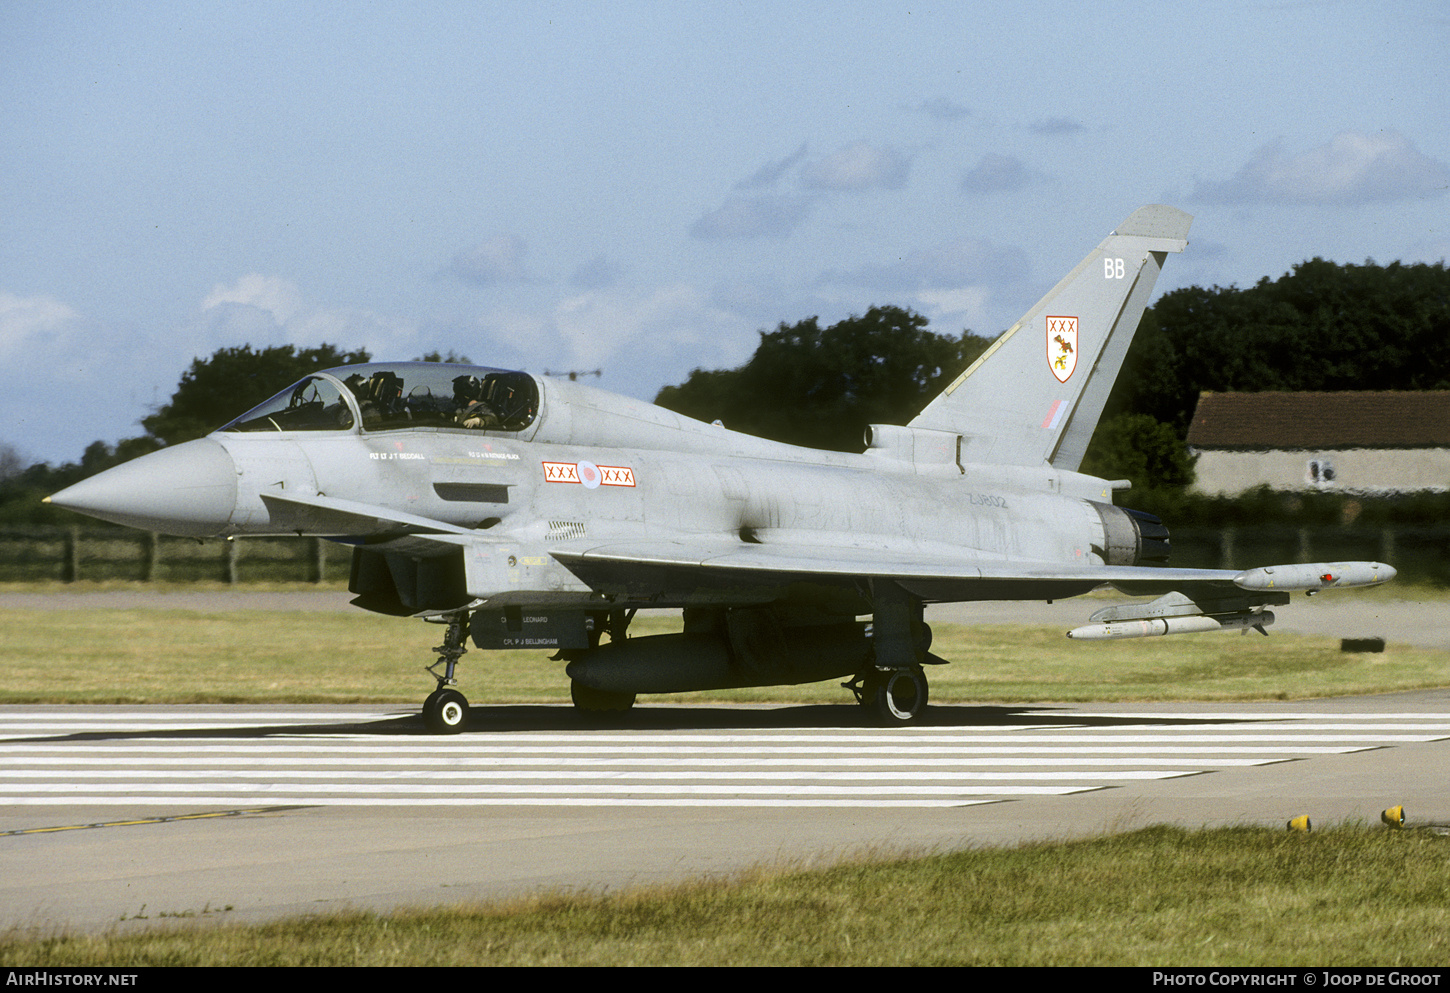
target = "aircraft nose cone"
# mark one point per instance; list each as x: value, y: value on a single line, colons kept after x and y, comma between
x: 189, y: 490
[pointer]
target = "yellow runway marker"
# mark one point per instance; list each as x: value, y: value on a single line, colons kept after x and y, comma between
x: 149, y: 820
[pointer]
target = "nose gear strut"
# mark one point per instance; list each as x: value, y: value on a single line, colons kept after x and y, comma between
x: 446, y: 710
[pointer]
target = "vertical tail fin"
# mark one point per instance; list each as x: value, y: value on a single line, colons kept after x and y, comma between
x: 1036, y: 395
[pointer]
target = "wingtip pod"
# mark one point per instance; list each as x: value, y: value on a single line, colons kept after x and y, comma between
x: 1311, y: 576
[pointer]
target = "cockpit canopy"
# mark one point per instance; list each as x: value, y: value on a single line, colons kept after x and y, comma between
x: 397, y: 395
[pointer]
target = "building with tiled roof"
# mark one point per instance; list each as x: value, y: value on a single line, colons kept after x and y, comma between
x: 1349, y: 441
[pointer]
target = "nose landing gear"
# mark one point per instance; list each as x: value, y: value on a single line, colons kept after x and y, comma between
x: 446, y: 710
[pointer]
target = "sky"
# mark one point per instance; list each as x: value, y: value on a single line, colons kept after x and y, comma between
x: 641, y: 188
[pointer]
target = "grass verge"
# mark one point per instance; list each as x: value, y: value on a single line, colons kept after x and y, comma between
x: 1160, y: 896
x: 182, y: 656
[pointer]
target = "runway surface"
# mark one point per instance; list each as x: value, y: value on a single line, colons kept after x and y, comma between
x: 133, y: 816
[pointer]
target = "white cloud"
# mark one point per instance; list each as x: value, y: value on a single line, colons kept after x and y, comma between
x: 33, y: 324
x: 943, y: 109
x: 1057, y: 126
x: 640, y: 339
x: 965, y: 306
x: 998, y: 174
x: 277, y: 297
x: 498, y: 260
x: 767, y: 216
x: 71, y: 381
x: 953, y: 266
x: 860, y: 166
x: 264, y: 310
x: 596, y: 326
x: 959, y: 284
x: 770, y: 173
x: 1429, y: 251
x: 856, y: 167
x: 1352, y: 168
x: 598, y: 273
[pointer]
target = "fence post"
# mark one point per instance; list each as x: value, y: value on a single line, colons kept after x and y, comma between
x: 231, y: 561
x: 319, y: 560
x: 151, y: 552
x: 71, y: 569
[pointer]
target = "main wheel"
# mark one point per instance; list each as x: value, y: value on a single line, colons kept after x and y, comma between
x: 897, y: 696
x: 445, y: 711
x: 590, y: 700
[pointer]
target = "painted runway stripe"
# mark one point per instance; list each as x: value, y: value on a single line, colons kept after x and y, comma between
x: 29, y: 713
x: 220, y: 794
x: 840, y: 787
x: 138, y: 822
x: 458, y: 777
x: 81, y: 764
x: 902, y: 741
x: 159, y: 713
x: 385, y: 752
x: 240, y: 760
x: 330, y: 801
x: 167, y: 719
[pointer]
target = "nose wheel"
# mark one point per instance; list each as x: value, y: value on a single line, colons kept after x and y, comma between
x: 446, y: 710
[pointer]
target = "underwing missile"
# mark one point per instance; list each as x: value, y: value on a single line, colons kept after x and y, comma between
x: 1156, y: 626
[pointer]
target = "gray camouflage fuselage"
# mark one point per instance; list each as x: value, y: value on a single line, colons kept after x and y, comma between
x: 664, y: 477
x: 540, y: 513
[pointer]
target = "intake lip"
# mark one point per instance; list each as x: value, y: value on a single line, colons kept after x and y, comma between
x: 188, y: 490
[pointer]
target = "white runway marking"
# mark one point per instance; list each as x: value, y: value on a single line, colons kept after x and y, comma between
x: 149, y: 757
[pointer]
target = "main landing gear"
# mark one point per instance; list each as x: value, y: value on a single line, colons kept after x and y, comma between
x: 446, y: 710
x: 891, y: 696
x: 894, y: 691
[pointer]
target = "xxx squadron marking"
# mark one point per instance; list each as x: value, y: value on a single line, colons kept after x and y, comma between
x: 588, y: 474
x: 1062, y: 346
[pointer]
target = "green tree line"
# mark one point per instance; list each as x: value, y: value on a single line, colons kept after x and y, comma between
x: 1321, y: 326
x: 820, y: 387
x: 211, y: 392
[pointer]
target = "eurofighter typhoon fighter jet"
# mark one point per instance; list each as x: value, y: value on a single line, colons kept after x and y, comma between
x: 541, y: 513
